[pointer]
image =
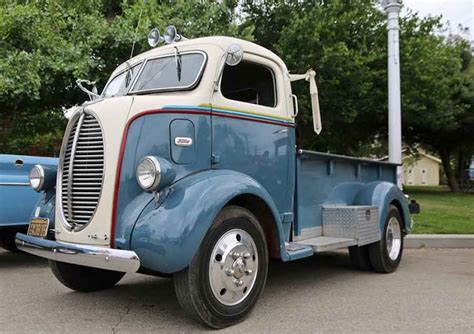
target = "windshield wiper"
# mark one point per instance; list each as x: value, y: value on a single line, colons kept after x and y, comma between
x: 178, y: 61
x: 128, y: 75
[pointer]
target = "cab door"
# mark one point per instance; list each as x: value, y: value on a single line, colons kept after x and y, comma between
x: 252, y: 131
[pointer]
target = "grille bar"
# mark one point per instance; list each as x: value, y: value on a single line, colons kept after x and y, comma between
x: 82, y: 171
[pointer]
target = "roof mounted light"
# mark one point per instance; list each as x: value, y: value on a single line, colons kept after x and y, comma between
x: 172, y: 36
x: 154, y: 37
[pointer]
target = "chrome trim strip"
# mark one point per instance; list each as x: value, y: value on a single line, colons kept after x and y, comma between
x: 14, y: 184
x: 83, y: 255
x: 71, y: 166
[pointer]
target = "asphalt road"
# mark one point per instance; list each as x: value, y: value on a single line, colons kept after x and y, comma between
x: 432, y: 291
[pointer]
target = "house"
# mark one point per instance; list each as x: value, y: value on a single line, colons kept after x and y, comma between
x: 420, y: 169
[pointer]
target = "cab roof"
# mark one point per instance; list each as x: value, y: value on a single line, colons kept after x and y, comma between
x: 200, y: 43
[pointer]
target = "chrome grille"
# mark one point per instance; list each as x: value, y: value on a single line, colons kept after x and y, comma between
x: 82, y: 171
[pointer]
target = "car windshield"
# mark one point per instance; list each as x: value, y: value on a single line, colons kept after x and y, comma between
x: 119, y: 86
x: 162, y: 73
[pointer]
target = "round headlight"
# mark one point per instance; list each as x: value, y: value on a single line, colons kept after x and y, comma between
x: 149, y: 173
x: 37, y: 177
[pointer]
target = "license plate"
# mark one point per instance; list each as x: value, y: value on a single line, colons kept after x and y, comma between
x: 38, y: 227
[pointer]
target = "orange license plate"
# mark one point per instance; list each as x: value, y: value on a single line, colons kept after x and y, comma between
x: 38, y: 227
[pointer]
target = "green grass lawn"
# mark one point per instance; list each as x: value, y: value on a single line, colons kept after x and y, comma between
x: 442, y: 212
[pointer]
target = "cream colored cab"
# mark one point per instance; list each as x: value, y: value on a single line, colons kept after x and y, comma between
x: 93, y: 203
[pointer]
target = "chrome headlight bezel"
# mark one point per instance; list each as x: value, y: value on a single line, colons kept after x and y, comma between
x: 36, y: 177
x: 148, y: 173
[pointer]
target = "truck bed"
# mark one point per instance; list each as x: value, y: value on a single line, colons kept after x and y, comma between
x: 324, y: 179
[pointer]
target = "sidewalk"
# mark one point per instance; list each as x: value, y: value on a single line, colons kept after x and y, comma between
x: 439, y: 241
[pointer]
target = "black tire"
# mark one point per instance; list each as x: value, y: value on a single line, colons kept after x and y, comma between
x: 379, y: 257
x: 360, y: 257
x: 193, y: 287
x: 7, y: 241
x: 84, y: 279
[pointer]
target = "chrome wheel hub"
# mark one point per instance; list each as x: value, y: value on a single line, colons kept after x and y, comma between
x: 393, y: 237
x: 233, y: 267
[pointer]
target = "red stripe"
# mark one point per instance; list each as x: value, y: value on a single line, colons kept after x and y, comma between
x: 163, y: 111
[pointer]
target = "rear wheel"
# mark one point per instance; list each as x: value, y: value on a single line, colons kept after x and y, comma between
x: 360, y: 257
x: 385, y: 255
x: 228, y: 273
x: 84, y: 279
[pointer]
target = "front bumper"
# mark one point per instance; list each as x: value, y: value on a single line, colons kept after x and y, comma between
x: 83, y: 255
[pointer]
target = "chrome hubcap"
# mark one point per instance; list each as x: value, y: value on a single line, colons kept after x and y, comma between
x: 393, y: 238
x: 233, y: 267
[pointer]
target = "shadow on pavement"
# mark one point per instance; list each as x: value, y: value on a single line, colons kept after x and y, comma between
x: 151, y: 301
x: 19, y: 260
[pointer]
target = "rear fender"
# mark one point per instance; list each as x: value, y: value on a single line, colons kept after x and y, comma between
x: 166, y: 236
x: 382, y: 195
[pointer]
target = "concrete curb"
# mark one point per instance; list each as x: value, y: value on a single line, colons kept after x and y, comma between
x: 439, y: 241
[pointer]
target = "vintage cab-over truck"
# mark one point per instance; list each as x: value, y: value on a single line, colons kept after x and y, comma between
x: 186, y: 167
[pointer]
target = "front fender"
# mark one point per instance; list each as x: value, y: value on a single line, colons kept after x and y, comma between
x: 167, y: 237
x: 44, y: 208
x: 382, y: 195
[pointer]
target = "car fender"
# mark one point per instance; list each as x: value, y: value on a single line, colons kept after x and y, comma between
x: 168, y: 234
x: 44, y: 208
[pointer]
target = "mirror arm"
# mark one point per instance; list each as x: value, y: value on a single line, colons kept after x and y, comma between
x: 92, y: 95
x: 310, y: 76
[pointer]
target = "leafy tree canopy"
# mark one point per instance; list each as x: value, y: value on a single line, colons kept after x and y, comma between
x: 46, y: 45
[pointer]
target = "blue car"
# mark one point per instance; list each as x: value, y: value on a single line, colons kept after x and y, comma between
x: 18, y: 200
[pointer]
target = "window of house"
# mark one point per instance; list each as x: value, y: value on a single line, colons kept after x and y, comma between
x: 249, y: 82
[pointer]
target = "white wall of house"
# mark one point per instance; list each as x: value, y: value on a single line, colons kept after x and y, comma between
x: 421, y: 170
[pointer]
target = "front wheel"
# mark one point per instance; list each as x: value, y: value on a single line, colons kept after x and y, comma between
x: 385, y: 255
x: 228, y: 273
x: 84, y: 279
x: 7, y: 241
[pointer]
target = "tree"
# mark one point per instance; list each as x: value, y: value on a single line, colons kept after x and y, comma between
x: 46, y: 45
x: 436, y: 112
x: 346, y: 44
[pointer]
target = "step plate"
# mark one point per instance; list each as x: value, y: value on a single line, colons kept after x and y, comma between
x: 323, y: 244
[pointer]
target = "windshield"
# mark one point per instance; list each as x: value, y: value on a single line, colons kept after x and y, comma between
x: 118, y: 85
x: 162, y: 73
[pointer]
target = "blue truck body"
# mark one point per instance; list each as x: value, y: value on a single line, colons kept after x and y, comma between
x: 292, y: 185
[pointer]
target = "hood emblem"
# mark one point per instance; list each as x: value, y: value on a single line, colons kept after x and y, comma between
x: 183, y: 141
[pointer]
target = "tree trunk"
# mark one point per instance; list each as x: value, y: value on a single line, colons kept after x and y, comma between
x: 445, y: 155
x: 460, y: 166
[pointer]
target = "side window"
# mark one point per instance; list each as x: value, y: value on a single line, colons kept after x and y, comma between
x: 249, y: 82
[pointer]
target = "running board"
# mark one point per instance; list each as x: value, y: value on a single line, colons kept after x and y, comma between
x: 323, y: 244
